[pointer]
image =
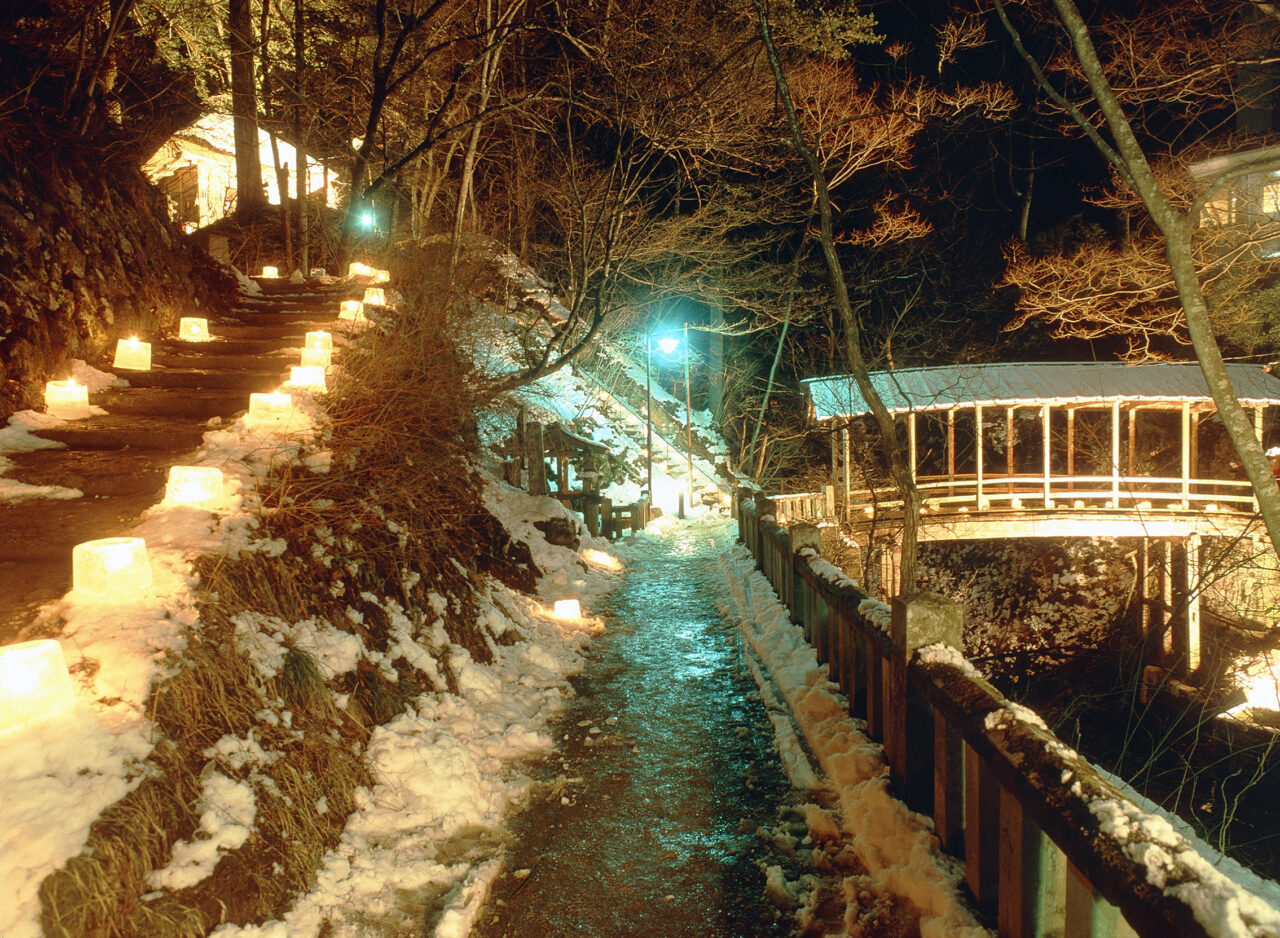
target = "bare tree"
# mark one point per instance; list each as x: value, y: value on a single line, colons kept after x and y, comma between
x: 1110, y: 129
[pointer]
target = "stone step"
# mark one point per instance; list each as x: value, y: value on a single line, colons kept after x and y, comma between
x: 277, y: 360
x: 277, y: 332
x: 266, y: 345
x: 35, y: 553
x: 259, y: 379
x: 96, y: 472
x: 128, y: 431
x: 318, y: 319
x: 200, y: 403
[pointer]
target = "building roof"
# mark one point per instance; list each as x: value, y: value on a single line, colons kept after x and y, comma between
x: 923, y: 389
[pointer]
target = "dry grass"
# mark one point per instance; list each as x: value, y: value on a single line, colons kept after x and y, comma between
x: 396, y: 520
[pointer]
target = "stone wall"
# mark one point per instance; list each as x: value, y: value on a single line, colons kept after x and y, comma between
x: 87, y: 255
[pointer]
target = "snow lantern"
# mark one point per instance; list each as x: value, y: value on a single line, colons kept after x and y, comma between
x: 275, y: 406
x: 600, y: 558
x: 318, y: 340
x: 270, y: 272
x: 381, y: 276
x: 133, y: 354
x: 66, y: 399
x: 374, y: 296
x: 111, y: 568
x: 352, y: 311
x: 34, y: 683
x: 317, y: 357
x: 309, y: 377
x: 192, y: 329
x: 567, y: 609
x: 357, y: 269
x: 193, y: 485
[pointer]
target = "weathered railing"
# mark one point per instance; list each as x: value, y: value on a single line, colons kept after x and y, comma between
x: 805, y: 506
x: 969, y: 493
x: 1049, y: 846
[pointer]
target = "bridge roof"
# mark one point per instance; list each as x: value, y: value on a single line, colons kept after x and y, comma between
x: 1067, y: 383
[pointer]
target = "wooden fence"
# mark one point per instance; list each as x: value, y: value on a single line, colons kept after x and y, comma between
x: 1049, y: 846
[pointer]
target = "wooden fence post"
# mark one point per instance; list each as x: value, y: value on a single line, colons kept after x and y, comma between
x: 802, y: 536
x: 534, y: 450
x: 921, y: 619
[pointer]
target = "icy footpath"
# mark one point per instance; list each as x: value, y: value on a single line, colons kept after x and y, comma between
x: 896, y: 846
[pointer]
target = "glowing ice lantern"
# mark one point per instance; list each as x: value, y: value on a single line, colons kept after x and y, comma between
x: 357, y: 269
x: 608, y: 561
x: 193, y: 485
x: 34, y: 683
x: 66, y: 399
x: 374, y: 296
x: 133, y: 355
x: 310, y: 377
x: 352, y: 311
x: 193, y: 330
x: 270, y: 272
x: 319, y: 340
x: 111, y: 568
x: 317, y: 357
x: 270, y: 406
x: 381, y: 276
x: 567, y: 609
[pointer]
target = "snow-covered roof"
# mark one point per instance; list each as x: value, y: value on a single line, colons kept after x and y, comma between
x: 948, y: 386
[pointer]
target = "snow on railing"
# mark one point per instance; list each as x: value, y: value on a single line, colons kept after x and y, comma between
x: 1049, y: 845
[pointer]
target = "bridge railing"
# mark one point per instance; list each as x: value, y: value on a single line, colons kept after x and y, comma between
x: 805, y: 506
x: 1049, y: 845
x: 1029, y: 491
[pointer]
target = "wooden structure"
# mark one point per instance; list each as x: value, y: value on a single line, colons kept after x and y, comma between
x: 1026, y: 816
x: 1062, y: 436
x: 1058, y: 450
x: 545, y: 461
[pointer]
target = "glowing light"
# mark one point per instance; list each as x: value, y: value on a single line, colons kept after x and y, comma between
x: 317, y: 357
x: 357, y: 269
x: 1144, y: 506
x: 133, y: 355
x: 66, y: 399
x: 374, y: 296
x: 1212, y: 506
x: 270, y: 272
x: 381, y: 276
x: 1015, y: 503
x: 309, y: 377
x: 276, y: 406
x: 111, y: 568
x: 601, y: 559
x: 1077, y: 504
x: 366, y: 219
x: 191, y: 329
x: 318, y: 340
x: 352, y: 311
x: 567, y: 609
x: 34, y: 684
x: 193, y: 485
x: 668, y: 344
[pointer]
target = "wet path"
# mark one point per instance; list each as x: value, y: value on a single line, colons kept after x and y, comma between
x: 652, y: 828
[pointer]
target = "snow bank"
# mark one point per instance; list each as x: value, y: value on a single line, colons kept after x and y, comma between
x: 895, y: 845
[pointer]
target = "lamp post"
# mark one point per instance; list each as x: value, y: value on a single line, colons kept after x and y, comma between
x: 688, y: 420
x: 648, y: 409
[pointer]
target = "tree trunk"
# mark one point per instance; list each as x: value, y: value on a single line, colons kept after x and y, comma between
x: 244, y: 110
x: 902, y: 472
x: 299, y: 78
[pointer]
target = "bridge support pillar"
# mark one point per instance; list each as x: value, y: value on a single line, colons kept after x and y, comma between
x: 1185, y: 624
